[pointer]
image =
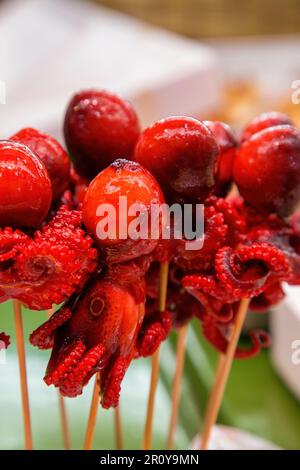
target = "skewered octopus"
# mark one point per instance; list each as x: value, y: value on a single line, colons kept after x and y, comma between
x: 50, y: 251
x: 101, y: 329
x: 104, y: 327
x: 253, y: 271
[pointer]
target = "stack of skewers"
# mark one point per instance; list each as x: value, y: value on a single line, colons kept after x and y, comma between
x: 115, y: 291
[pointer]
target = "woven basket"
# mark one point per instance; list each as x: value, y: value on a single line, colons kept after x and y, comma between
x: 215, y: 18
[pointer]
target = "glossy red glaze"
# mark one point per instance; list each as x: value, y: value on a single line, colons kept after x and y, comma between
x: 25, y: 187
x: 181, y: 154
x: 51, y: 153
x: 263, y: 121
x: 227, y: 145
x: 137, y: 186
x: 99, y: 127
x: 267, y: 170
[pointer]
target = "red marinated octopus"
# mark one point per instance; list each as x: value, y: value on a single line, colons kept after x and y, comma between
x: 97, y: 330
x: 105, y: 326
x: 51, y: 252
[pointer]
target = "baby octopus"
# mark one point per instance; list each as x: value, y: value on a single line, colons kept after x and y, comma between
x: 100, y: 330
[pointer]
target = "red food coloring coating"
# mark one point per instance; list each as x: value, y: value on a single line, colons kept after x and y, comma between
x: 181, y: 153
x: 267, y: 170
x: 137, y: 186
x: 99, y: 127
x: 263, y: 121
x: 227, y: 149
x: 25, y: 187
x: 54, y: 157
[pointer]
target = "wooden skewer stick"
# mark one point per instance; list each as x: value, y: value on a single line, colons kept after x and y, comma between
x: 90, y: 429
x: 118, y: 429
x: 64, y: 422
x: 222, y: 375
x: 23, y: 375
x: 151, y: 401
x: 63, y: 412
x: 163, y: 286
x: 162, y: 297
x: 176, y: 387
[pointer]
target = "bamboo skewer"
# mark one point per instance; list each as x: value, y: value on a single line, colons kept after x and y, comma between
x: 118, y: 429
x: 163, y: 286
x: 222, y: 374
x: 63, y: 412
x: 23, y: 375
x: 162, y: 297
x: 90, y: 429
x: 64, y: 422
x: 89, y: 436
x: 151, y: 401
x: 176, y: 387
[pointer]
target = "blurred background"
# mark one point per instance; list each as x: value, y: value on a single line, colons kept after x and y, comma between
x: 215, y: 18
x: 213, y: 59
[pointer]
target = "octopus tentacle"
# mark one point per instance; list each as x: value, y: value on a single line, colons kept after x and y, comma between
x: 259, y: 340
x: 272, y: 295
x: 53, y: 265
x: 155, y: 330
x: 218, y: 337
x: 214, y: 238
x: 111, y: 382
x: 195, y: 284
x: 233, y: 218
x: 9, y: 243
x: 245, y: 271
x: 86, y: 367
x: 68, y: 358
x: 43, y: 336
